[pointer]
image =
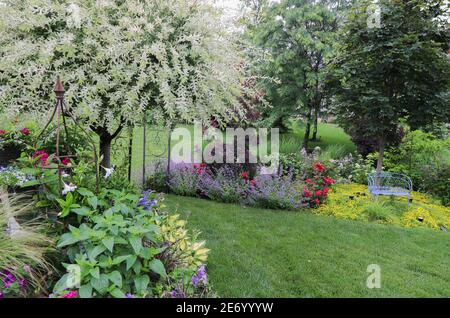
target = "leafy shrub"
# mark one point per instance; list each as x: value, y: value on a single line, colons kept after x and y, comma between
x: 276, y: 192
x: 426, y: 160
x: 126, y: 246
x: 352, y: 169
x: 226, y: 185
x: 184, y: 179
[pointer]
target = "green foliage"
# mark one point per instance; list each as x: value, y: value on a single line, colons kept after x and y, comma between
x: 399, y: 71
x: 425, y: 159
x: 298, y: 35
x: 122, y: 247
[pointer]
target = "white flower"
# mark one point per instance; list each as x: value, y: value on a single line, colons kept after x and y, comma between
x: 108, y: 172
x: 68, y: 188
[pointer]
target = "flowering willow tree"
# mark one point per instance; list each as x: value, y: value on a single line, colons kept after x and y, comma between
x: 118, y: 58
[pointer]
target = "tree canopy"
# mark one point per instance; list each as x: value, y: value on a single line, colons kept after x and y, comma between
x: 118, y: 58
x: 398, y: 72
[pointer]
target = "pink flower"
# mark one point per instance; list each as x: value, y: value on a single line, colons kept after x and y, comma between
x: 244, y: 175
x: 253, y: 182
x: 2, y: 132
x: 317, y: 201
x: 71, y: 294
x: 203, y: 165
x: 325, y: 191
x: 318, y: 193
x: 308, y: 181
x: 25, y: 131
x: 65, y: 161
x: 43, y: 156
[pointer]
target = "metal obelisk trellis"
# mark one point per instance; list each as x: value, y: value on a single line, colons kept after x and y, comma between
x: 61, y: 112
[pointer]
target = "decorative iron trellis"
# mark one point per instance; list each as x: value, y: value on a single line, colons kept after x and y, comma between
x: 61, y: 111
x: 158, y: 136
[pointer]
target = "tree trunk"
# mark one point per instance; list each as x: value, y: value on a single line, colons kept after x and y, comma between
x: 307, y: 129
x: 382, y: 145
x: 105, y: 149
x: 316, y: 119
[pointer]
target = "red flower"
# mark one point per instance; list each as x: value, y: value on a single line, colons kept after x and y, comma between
x: 65, y: 161
x: 195, y: 166
x: 199, y: 171
x: 317, y: 201
x: 308, y: 181
x: 325, y: 191
x: 328, y: 180
x: 2, y: 132
x: 318, y: 193
x: 253, y: 182
x: 25, y: 131
x: 319, y: 167
x: 244, y: 175
x: 306, y: 192
x: 203, y: 165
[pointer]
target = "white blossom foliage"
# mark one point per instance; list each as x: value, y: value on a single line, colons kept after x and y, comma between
x: 117, y: 58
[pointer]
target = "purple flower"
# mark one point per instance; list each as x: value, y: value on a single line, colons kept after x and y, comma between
x: 145, y: 202
x: 130, y: 296
x: 177, y: 294
x: 2, y: 295
x: 200, y: 276
x: 8, y: 278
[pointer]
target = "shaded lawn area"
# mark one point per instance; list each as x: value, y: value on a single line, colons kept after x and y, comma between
x: 328, y: 134
x: 265, y: 253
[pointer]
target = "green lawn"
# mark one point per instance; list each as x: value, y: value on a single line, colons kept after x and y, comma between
x: 265, y: 253
x: 328, y: 134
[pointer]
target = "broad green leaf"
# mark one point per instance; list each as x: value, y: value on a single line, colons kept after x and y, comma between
x: 67, y: 239
x: 92, y: 254
x: 116, y: 278
x: 85, y: 192
x: 130, y: 261
x: 83, y: 211
x: 100, y: 284
x: 158, y: 267
x: 117, y: 293
x: 93, y: 202
x: 95, y: 272
x: 109, y: 243
x: 85, y: 291
x: 136, y: 243
x: 141, y: 283
x: 120, y: 259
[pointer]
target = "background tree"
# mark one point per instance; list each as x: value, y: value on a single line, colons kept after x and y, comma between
x: 298, y: 36
x: 396, y: 73
x: 118, y: 58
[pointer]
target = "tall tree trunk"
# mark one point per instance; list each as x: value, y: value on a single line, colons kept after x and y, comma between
x: 316, y: 119
x: 105, y: 149
x: 308, y: 128
x: 382, y: 145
